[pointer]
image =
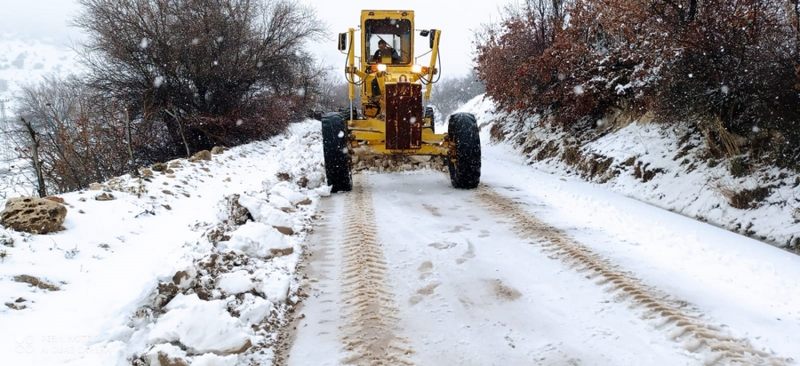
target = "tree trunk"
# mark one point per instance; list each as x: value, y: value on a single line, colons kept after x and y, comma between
x: 37, y: 165
x: 181, y: 132
x: 128, y: 142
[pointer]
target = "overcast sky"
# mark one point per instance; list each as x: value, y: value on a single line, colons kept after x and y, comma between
x: 50, y: 19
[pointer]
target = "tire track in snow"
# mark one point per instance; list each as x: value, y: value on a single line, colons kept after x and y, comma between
x: 370, y: 316
x: 317, y: 267
x: 693, y: 332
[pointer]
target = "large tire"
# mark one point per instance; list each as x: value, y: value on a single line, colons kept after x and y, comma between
x: 334, y: 148
x: 465, y: 162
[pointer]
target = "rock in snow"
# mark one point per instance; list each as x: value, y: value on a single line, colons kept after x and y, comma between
x: 33, y: 215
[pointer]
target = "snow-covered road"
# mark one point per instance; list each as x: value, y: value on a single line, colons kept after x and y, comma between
x: 534, y: 269
x: 531, y: 268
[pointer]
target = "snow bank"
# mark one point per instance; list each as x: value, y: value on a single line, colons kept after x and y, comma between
x: 234, y: 283
x: 161, y: 274
x: 201, y: 326
x: 659, y: 164
x: 257, y: 239
x: 269, y: 212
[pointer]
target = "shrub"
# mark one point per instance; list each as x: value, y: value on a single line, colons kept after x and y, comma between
x: 730, y: 66
x: 199, y: 66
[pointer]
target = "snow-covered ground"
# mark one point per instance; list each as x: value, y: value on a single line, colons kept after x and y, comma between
x: 664, y: 165
x: 169, y: 260
x: 535, y: 268
x: 211, y: 263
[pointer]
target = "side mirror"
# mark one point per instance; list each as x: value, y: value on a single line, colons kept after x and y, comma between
x: 433, y: 35
x: 424, y: 33
x: 342, y: 41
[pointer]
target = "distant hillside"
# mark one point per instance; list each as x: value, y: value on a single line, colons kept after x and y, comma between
x: 27, y: 61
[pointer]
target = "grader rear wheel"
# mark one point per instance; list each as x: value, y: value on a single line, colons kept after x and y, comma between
x: 465, y: 162
x: 334, y: 148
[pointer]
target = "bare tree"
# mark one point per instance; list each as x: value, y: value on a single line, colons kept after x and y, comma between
x: 75, y: 136
x: 206, y: 68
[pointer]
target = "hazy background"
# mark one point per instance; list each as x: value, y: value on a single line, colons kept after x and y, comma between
x: 49, y: 21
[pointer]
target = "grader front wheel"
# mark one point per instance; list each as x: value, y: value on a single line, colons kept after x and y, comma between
x: 334, y: 148
x: 464, y: 162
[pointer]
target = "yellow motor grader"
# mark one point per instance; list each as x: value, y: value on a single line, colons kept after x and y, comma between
x: 392, y: 119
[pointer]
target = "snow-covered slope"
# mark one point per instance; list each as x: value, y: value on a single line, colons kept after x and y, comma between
x: 662, y: 165
x: 201, y: 254
x: 26, y: 61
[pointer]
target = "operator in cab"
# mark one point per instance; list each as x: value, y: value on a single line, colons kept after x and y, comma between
x: 385, y: 54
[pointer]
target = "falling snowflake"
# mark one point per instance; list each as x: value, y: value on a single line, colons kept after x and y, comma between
x: 195, y: 41
x: 578, y: 90
x: 144, y: 43
x: 158, y: 81
x: 239, y: 122
x: 341, y: 134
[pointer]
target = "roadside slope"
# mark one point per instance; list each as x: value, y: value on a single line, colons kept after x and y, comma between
x: 191, y: 248
x: 664, y: 165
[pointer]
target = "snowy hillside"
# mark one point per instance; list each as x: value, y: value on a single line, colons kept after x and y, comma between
x: 26, y: 61
x: 662, y: 165
x: 144, y: 263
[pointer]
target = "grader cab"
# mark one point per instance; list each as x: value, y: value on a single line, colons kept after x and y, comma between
x: 391, y: 117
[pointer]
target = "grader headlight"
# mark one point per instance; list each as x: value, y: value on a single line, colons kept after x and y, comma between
x: 417, y: 69
x: 381, y: 67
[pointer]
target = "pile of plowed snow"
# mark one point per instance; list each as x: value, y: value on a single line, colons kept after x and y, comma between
x: 193, y: 262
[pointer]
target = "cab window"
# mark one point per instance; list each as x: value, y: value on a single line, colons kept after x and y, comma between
x: 396, y: 33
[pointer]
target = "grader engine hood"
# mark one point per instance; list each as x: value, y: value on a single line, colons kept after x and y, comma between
x: 403, y: 116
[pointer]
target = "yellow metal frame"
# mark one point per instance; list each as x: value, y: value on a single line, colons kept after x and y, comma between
x: 369, y: 136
